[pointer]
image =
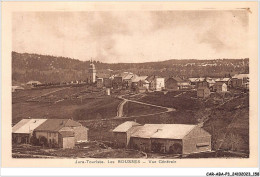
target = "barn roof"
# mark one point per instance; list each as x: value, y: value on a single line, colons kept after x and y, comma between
x: 124, y: 127
x: 147, y: 130
x: 173, y: 131
x: 163, y: 131
x: 27, y: 125
x: 54, y: 125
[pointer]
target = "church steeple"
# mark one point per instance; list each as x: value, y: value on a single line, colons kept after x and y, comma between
x: 91, y: 72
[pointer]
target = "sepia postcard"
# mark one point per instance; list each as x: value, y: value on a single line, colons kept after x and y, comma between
x: 129, y: 84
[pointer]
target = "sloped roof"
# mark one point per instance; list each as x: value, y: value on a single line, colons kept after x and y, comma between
x: 219, y: 83
x: 147, y: 130
x: 124, y: 127
x: 178, y: 79
x: 173, y: 131
x: 139, y: 78
x: 27, y: 125
x: 33, y: 82
x: 199, y: 79
x: 240, y: 76
x: 151, y: 78
x: 55, y: 125
x: 222, y: 79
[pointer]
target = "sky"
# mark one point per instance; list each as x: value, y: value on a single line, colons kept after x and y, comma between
x: 132, y: 36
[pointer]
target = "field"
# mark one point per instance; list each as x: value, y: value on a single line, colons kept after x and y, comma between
x: 78, y: 103
x: 135, y: 109
x: 224, y: 116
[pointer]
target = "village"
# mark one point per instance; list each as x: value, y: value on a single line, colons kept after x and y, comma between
x: 129, y: 115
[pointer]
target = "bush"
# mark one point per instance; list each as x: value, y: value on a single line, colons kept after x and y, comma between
x: 43, y: 141
x: 34, y: 141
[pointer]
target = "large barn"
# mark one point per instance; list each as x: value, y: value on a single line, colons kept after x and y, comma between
x: 167, y: 138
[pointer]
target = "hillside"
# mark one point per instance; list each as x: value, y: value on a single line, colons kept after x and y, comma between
x: 45, y: 68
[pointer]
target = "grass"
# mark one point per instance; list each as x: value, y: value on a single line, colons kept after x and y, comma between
x: 136, y: 109
x: 92, y: 149
x: 74, y: 108
x: 227, y: 123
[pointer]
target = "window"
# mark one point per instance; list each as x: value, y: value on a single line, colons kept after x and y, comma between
x: 198, y: 145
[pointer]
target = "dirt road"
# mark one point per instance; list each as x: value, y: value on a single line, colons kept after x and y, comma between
x: 120, y: 112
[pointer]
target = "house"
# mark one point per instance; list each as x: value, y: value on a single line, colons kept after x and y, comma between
x: 240, y: 81
x: 139, y: 83
x: 61, y: 133
x: 203, y: 90
x: 23, y: 130
x: 172, y: 83
x: 16, y: 88
x: 203, y: 83
x: 156, y: 83
x: 127, y: 79
x: 194, y: 81
x: 123, y: 132
x: 107, y: 82
x: 220, y: 87
x: 99, y: 82
x: 210, y: 81
x: 176, y: 83
x: 168, y: 138
x: 226, y: 80
x: 33, y: 83
x: 117, y: 82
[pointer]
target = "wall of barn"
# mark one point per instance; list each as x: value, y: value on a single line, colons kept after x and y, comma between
x: 143, y: 144
x: 68, y: 142
x: 198, y: 140
x: 120, y: 139
x: 21, y: 138
x: 164, y: 145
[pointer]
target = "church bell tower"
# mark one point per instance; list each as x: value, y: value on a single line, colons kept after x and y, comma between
x: 91, y: 73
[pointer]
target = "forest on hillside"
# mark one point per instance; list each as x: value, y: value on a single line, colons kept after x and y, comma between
x: 46, y: 68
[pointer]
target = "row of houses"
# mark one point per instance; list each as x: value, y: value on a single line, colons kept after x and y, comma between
x: 59, y: 133
x: 162, y: 138
x: 128, y: 80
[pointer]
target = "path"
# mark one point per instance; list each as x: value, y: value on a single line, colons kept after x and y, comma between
x: 121, y: 106
x: 31, y: 99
